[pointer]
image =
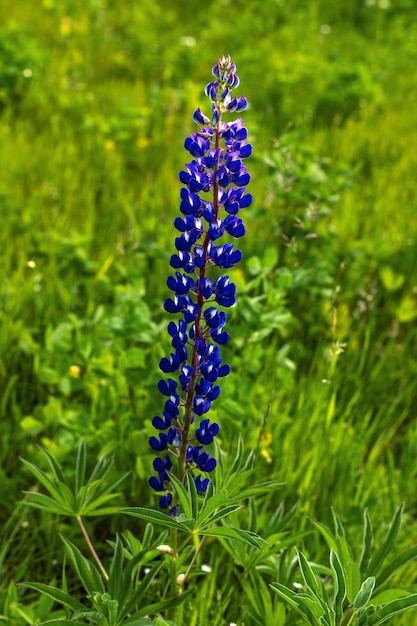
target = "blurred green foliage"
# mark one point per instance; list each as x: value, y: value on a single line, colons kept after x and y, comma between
x: 96, y: 99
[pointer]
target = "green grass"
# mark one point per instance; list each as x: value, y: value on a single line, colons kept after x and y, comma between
x: 96, y: 99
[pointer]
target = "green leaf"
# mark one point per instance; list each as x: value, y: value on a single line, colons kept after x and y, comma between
x: 212, y: 504
x: 339, y: 531
x: 388, y: 595
x: 125, y: 591
x: 192, y: 490
x: 344, y: 552
x: 278, y: 544
x: 44, y: 479
x: 116, y: 570
x: 135, y: 597
x: 56, y: 594
x: 258, y: 489
x: 80, y: 466
x: 158, y: 607
x: 155, y: 517
x: 388, y: 544
x: 308, y: 574
x: 365, y: 593
x: 86, y: 571
x: 260, y: 593
x: 367, y: 543
x: 391, y: 280
x: 224, y: 512
x: 340, y: 586
x: 139, y: 621
x: 100, y: 470
x: 45, y: 503
x: 390, y: 609
x: 297, y: 602
x: 396, y: 564
x: 95, y: 508
x: 233, y: 486
x: 330, y: 539
x: 353, y: 579
x: 183, y: 496
x: 235, y: 533
x: 62, y: 622
x: 55, y: 466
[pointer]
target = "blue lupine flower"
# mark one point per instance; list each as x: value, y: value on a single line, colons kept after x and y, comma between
x: 217, y: 170
x: 205, y: 434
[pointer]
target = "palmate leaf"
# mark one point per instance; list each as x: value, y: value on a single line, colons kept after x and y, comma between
x: 53, y: 488
x: 96, y: 507
x: 45, y: 503
x: 55, y: 467
x: 210, y: 506
x: 85, y: 499
x: 216, y: 516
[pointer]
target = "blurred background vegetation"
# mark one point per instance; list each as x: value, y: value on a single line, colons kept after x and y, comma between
x: 96, y: 98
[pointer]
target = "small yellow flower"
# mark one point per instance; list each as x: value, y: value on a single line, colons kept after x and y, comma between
x: 110, y: 145
x: 265, y: 443
x: 75, y: 371
x: 66, y: 26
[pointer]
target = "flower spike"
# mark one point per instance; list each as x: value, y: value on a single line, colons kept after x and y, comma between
x: 212, y: 196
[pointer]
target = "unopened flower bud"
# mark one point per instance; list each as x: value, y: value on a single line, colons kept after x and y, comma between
x: 166, y: 549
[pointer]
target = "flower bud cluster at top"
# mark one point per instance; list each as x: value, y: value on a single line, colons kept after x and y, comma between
x: 212, y: 197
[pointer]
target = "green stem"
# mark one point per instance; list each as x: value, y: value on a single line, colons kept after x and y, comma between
x: 92, y: 550
x: 347, y: 619
x: 188, y: 409
x: 173, y: 570
x: 193, y: 560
